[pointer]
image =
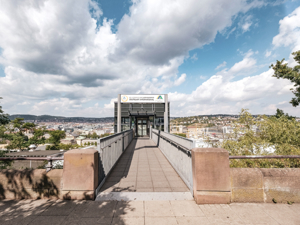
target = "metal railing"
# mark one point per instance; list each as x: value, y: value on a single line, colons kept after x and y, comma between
x: 264, y: 157
x: 110, y: 149
x: 178, y: 152
x: 49, y: 166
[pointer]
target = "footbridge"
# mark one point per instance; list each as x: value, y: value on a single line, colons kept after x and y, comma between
x: 144, y: 171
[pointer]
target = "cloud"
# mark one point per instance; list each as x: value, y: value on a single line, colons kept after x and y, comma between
x: 223, y: 64
x: 246, y: 23
x: 268, y: 53
x: 59, y: 59
x: 220, y: 95
x: 194, y: 57
x: 180, y: 80
x: 153, y: 36
x: 289, y: 33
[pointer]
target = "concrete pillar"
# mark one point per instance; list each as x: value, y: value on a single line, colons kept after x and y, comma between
x: 80, y: 174
x: 166, y: 115
x: 211, y: 176
x: 119, y: 114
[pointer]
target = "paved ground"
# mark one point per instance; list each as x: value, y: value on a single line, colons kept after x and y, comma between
x: 41, y: 212
x: 143, y: 168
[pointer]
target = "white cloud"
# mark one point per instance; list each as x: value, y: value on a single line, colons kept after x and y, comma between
x: 180, y: 80
x: 246, y: 23
x: 58, y: 60
x: 223, y: 64
x: 194, y: 57
x: 289, y: 33
x: 268, y: 53
x: 220, y: 95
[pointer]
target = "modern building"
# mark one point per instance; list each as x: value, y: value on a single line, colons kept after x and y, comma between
x: 140, y: 112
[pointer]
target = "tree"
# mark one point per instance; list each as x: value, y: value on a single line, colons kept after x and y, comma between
x: 19, y: 123
x: 282, y: 70
x: 3, y: 117
x: 55, y: 137
x: 280, y: 113
x: 18, y: 142
x: 94, y: 136
x: 261, y: 136
x: 37, y: 138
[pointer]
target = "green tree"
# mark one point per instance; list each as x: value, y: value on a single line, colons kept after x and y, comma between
x: 37, y: 138
x: 280, y: 113
x: 17, y: 142
x: 3, y: 117
x: 257, y: 136
x: 55, y: 137
x: 21, y: 125
x: 94, y: 136
x: 282, y: 70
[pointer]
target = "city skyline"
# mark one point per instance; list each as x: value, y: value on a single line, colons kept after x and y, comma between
x: 65, y: 59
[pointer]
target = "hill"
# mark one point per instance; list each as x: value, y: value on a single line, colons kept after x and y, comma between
x: 48, y: 118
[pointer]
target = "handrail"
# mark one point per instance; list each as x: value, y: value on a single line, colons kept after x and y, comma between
x: 264, y: 156
x: 48, y: 158
x: 171, y: 141
x: 116, y: 135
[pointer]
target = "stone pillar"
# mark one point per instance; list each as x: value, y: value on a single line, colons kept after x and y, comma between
x: 80, y: 174
x: 119, y: 114
x: 166, y: 115
x: 211, y: 176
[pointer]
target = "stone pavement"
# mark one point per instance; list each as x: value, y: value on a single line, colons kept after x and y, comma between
x: 143, y: 168
x: 41, y: 212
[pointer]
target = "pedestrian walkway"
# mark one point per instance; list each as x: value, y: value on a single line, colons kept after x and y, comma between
x: 44, y: 212
x: 143, y: 168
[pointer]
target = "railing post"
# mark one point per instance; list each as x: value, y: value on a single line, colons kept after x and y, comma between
x: 49, y: 165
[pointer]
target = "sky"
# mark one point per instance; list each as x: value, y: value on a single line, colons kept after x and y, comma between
x: 72, y: 58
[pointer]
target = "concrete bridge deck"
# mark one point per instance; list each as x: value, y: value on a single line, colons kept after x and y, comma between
x: 143, y: 168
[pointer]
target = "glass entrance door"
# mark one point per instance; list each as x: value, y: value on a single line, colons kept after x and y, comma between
x: 142, y: 127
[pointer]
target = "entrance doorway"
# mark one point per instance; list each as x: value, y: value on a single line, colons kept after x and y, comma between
x: 142, y: 127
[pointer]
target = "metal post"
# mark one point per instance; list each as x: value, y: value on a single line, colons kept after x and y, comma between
x: 49, y: 165
x: 166, y: 115
x: 119, y: 114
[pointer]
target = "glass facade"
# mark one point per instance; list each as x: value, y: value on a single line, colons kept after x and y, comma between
x: 141, y: 116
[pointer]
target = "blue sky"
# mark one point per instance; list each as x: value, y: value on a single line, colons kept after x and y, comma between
x: 67, y: 59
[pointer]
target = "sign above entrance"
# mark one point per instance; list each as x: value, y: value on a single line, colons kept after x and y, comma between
x: 142, y: 98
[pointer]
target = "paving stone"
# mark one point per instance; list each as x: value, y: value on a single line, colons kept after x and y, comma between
x: 192, y: 221
x: 128, y: 221
x: 158, y: 208
x: 60, y: 208
x: 130, y: 209
x: 252, y: 214
x: 48, y: 220
x: 162, y: 189
x: 160, y: 221
x: 186, y: 208
x: 283, y: 214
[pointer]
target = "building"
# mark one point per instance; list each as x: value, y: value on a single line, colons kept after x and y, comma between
x: 140, y: 112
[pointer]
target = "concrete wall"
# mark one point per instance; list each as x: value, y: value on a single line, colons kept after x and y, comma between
x: 77, y: 180
x: 30, y: 184
x: 180, y: 159
x: 216, y: 183
x: 263, y: 185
